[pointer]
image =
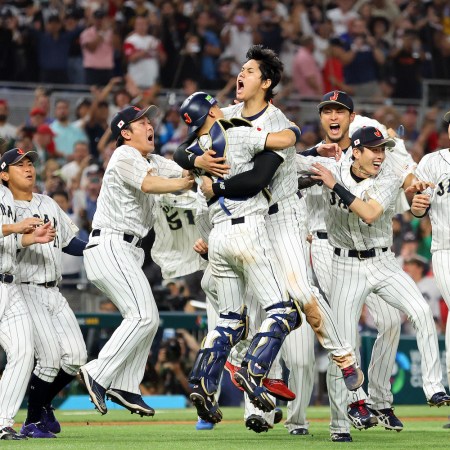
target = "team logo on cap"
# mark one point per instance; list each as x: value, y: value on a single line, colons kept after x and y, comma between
x: 335, y: 96
x: 20, y: 151
x: 209, y: 99
x: 187, y: 119
x: 357, y: 142
x: 136, y: 108
x: 3, y: 165
x: 377, y: 133
x: 120, y: 124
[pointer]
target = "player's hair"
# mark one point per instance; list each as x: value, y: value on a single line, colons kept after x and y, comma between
x: 270, y: 65
x: 120, y: 139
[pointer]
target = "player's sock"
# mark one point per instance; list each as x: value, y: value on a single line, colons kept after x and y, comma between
x: 38, y: 394
x: 61, y: 381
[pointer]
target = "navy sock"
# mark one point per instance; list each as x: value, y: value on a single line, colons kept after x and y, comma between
x: 37, y: 396
x: 61, y: 381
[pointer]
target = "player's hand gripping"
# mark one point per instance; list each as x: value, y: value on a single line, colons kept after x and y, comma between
x: 419, y: 186
x: 323, y: 174
x: 200, y: 246
x: 44, y: 234
x: 187, y: 181
x: 27, y: 225
x: 206, y: 188
x: 212, y: 165
x: 330, y: 151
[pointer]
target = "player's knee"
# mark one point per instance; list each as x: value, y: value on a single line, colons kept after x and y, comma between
x: 46, y: 373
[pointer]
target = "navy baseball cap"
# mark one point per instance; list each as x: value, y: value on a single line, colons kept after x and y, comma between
x: 370, y: 137
x: 447, y: 117
x: 128, y: 115
x: 14, y: 155
x: 340, y: 98
x: 195, y: 109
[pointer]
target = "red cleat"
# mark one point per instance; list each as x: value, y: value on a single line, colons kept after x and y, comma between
x: 278, y: 389
x: 231, y: 369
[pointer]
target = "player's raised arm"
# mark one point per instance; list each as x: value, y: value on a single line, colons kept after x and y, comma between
x: 283, y: 139
x: 158, y: 185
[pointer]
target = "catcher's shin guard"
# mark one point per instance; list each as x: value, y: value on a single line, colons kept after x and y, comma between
x: 216, y: 347
x: 267, y: 342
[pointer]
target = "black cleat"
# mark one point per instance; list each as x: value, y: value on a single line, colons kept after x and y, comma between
x: 206, y: 405
x: 360, y: 416
x: 10, y: 434
x: 387, y: 419
x: 341, y: 437
x: 96, y: 392
x: 278, y: 417
x: 300, y: 432
x: 130, y: 401
x: 257, y: 423
x: 439, y: 399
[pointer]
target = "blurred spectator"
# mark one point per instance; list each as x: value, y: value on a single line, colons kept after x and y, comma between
x: 361, y: 58
x: 333, y: 71
x: 38, y: 117
x: 341, y: 15
x: 97, y: 50
x: 144, y: 53
x: 226, y: 81
x: 96, y: 124
x: 44, y: 145
x: 75, y: 63
x: 409, y: 120
x: 409, y: 247
x: 424, y: 236
x: 66, y: 133
x: 82, y: 108
x: 8, y: 131
x: 53, y: 46
x: 269, y: 30
x: 417, y: 267
x: 171, y: 129
x: 306, y: 74
x: 80, y: 161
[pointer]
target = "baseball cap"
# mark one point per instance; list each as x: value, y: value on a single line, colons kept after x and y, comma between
x: 37, y: 111
x: 370, y: 137
x: 128, y: 115
x: 416, y: 259
x: 14, y: 155
x: 45, y: 129
x: 447, y: 117
x: 195, y: 109
x: 336, y: 98
x: 99, y: 13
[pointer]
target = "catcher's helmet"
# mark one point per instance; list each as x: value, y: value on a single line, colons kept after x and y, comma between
x: 195, y: 109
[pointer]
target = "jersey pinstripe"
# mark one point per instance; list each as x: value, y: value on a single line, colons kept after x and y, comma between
x: 346, y: 230
x: 42, y: 263
x: 175, y: 234
x: 284, y: 182
x: 121, y: 201
x: 435, y: 167
x: 7, y: 243
x: 242, y: 145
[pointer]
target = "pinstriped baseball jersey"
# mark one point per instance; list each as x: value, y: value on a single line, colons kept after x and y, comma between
x: 175, y: 234
x: 42, y: 263
x: 8, y: 244
x: 435, y: 167
x: 346, y: 229
x: 242, y: 145
x: 284, y: 182
x: 121, y: 201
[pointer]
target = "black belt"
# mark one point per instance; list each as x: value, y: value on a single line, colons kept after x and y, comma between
x: 47, y: 284
x: 6, y: 278
x: 360, y: 254
x: 273, y: 209
x: 126, y: 237
x: 238, y: 220
x: 322, y: 235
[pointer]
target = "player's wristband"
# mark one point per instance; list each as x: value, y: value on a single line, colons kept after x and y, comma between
x: 345, y: 195
x: 297, y: 133
x: 311, y: 152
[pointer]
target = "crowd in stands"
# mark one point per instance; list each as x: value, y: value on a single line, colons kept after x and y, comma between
x: 127, y: 52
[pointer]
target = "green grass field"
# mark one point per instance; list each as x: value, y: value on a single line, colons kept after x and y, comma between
x: 174, y: 429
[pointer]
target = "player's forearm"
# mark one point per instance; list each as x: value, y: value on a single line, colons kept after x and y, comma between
x: 160, y: 185
x: 282, y: 139
x: 183, y: 158
x: 8, y: 228
x: 27, y: 239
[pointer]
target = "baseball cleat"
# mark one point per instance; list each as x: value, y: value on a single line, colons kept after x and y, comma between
x: 300, y: 432
x: 257, y: 424
x: 341, y: 437
x: 353, y: 377
x: 203, y: 425
x: 10, y: 434
x: 446, y: 426
x: 49, y: 419
x: 439, y: 399
x: 130, y: 401
x: 257, y: 393
x: 360, y: 416
x: 95, y: 391
x: 36, y: 430
x: 278, y: 417
x: 387, y: 419
x: 206, y: 405
x: 278, y: 389
x: 232, y: 369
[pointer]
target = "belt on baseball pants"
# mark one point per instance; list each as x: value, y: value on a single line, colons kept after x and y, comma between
x: 238, y: 220
x: 126, y: 237
x: 47, y: 284
x: 322, y: 235
x: 6, y: 278
x: 273, y: 209
x: 360, y: 254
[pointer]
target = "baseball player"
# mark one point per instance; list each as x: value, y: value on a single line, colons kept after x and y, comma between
x: 361, y: 198
x: 59, y: 344
x: 435, y: 200
x: 337, y: 118
x: 287, y: 233
x: 16, y: 328
x: 113, y: 257
x: 240, y: 256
